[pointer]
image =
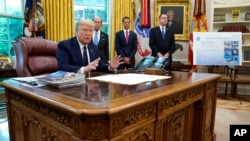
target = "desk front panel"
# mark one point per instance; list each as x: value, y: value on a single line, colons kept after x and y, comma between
x: 182, y: 108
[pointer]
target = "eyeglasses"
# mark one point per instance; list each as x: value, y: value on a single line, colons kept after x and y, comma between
x: 163, y: 18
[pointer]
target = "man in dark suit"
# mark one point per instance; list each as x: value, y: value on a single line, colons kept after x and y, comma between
x: 126, y: 44
x: 162, y: 41
x: 101, y: 40
x: 79, y: 54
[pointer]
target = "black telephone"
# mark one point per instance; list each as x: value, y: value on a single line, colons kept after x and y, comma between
x: 151, y: 62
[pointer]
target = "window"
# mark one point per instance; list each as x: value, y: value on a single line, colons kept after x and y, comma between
x: 88, y: 9
x: 11, y: 24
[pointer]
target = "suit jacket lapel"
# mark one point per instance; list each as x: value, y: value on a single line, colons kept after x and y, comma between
x: 77, y: 50
x: 102, y: 37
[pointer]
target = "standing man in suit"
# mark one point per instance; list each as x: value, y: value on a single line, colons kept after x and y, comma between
x: 126, y: 44
x: 101, y: 40
x: 162, y: 41
x: 78, y: 54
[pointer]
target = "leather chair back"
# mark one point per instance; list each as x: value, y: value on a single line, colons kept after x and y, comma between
x: 35, y: 56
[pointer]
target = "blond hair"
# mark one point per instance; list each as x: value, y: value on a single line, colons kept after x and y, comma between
x: 84, y: 22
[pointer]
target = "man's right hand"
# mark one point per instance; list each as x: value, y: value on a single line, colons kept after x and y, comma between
x: 126, y: 60
x: 159, y: 54
x: 92, y: 65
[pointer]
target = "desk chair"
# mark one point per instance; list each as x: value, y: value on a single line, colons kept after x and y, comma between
x: 35, y: 56
x: 242, y: 76
x: 227, y: 76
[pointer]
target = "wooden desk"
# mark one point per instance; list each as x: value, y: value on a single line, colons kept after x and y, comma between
x: 181, y: 108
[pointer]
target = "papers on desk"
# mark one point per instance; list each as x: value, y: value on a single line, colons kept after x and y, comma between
x: 129, y: 78
x: 62, y: 79
x: 28, y: 81
x: 57, y: 79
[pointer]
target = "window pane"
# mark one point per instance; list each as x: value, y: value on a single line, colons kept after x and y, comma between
x: 16, y: 28
x: 14, y: 7
x: 95, y: 2
x: 105, y: 28
x: 88, y: 9
x: 4, y: 48
x: 3, y: 29
x: 2, y: 6
x: 78, y: 1
x: 78, y: 12
x: 89, y: 13
x: 102, y: 13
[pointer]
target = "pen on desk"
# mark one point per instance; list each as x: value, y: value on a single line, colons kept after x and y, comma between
x: 32, y: 83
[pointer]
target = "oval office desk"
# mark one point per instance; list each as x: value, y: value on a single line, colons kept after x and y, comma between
x: 180, y: 108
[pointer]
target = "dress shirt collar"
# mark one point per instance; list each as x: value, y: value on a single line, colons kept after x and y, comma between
x: 126, y: 30
x: 162, y: 27
x: 98, y: 32
x: 81, y: 45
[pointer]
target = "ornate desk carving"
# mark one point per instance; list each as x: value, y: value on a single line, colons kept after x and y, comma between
x: 181, y: 108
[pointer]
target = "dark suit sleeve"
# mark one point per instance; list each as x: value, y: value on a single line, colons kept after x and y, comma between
x: 107, y: 48
x: 172, y: 43
x: 134, y: 46
x: 152, y: 41
x: 66, y: 58
x: 117, y: 44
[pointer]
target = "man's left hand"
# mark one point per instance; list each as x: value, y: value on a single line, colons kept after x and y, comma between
x: 166, y: 55
x: 115, y: 62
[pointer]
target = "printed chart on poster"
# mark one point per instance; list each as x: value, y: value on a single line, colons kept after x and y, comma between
x: 217, y: 48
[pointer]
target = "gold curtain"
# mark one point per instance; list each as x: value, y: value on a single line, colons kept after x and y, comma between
x: 120, y: 9
x: 59, y: 19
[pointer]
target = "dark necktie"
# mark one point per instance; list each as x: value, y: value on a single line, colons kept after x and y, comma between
x: 84, y: 56
x: 163, y: 33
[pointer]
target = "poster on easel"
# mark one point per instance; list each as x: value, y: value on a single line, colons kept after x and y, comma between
x: 217, y: 48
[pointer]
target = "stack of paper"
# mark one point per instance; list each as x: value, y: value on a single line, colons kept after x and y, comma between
x: 129, y: 78
x: 62, y: 79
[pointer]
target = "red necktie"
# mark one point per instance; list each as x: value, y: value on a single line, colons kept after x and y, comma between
x: 126, y: 37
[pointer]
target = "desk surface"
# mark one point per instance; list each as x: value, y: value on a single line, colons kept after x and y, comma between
x: 104, y: 96
x: 180, y: 108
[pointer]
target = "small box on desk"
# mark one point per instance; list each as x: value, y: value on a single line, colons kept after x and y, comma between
x: 153, y: 71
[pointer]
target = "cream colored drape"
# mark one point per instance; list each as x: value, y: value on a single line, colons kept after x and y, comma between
x: 59, y: 19
x: 120, y: 9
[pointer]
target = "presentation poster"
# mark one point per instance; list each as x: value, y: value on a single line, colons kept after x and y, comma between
x: 217, y: 48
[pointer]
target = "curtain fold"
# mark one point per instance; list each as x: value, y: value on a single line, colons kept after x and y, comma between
x: 59, y: 19
x: 120, y: 9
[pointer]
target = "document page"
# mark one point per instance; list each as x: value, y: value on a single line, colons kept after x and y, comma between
x: 217, y: 48
x: 129, y: 78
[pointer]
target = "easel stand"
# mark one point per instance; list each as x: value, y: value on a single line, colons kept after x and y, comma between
x: 228, y: 72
